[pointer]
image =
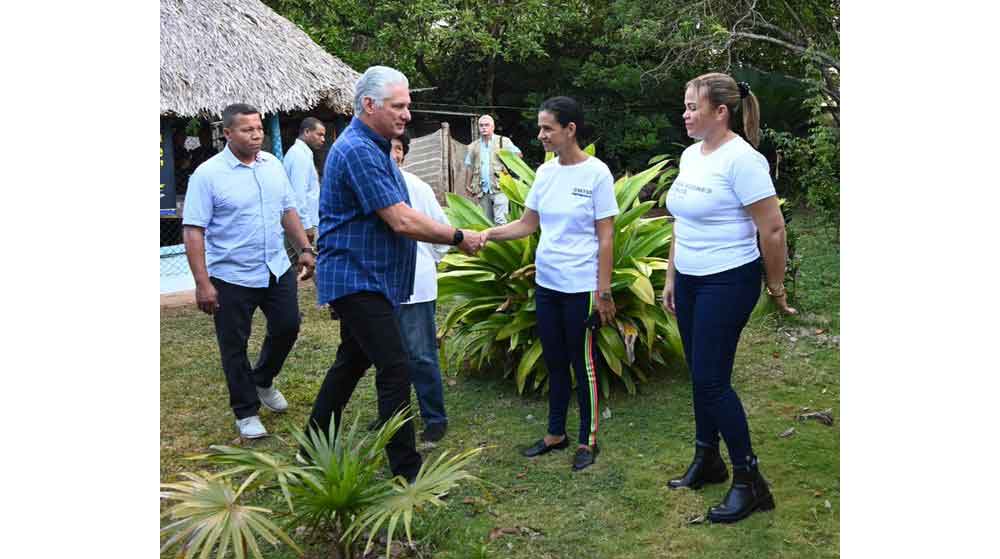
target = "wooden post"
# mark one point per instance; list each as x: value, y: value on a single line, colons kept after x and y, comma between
x: 275, y: 126
x: 445, y: 158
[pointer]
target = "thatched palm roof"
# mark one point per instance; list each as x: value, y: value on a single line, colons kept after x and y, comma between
x: 217, y: 52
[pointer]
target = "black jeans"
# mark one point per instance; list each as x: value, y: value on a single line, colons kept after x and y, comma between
x: 369, y: 333
x: 280, y: 304
x: 711, y: 313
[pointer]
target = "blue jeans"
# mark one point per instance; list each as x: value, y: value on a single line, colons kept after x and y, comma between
x: 711, y: 313
x: 420, y: 339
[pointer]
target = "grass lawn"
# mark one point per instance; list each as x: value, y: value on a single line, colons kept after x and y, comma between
x: 620, y: 507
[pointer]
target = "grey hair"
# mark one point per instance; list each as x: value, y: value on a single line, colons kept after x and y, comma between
x: 373, y: 83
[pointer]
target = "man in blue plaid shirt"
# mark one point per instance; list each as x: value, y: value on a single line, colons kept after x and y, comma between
x: 367, y: 255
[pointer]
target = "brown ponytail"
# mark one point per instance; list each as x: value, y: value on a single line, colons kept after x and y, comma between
x: 751, y: 119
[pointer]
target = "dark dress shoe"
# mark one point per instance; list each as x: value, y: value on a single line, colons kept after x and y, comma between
x: 749, y: 493
x: 584, y: 457
x: 707, y: 467
x: 434, y: 432
x: 540, y: 448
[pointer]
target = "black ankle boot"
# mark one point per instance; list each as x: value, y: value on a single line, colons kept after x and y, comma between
x: 707, y: 467
x: 748, y: 493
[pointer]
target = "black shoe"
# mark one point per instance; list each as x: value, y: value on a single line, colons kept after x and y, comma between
x: 707, y: 467
x: 434, y: 432
x: 540, y: 448
x: 584, y: 457
x: 748, y: 493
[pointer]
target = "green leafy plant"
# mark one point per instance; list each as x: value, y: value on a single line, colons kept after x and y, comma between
x: 339, y: 492
x: 207, y: 514
x: 810, y: 164
x: 493, y: 318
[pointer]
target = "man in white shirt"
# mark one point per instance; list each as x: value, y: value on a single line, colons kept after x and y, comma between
x: 416, y: 316
x: 301, y: 169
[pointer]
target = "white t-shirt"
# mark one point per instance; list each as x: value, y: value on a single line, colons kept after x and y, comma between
x: 422, y: 199
x: 569, y: 199
x: 713, y: 231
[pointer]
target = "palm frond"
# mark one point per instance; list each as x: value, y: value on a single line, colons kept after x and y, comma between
x: 208, y: 516
x: 433, y: 481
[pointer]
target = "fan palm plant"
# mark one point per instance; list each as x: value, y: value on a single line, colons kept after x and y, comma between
x: 207, y: 514
x: 339, y: 492
x: 493, y: 317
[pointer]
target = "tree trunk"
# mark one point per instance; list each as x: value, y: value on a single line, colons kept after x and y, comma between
x: 491, y: 66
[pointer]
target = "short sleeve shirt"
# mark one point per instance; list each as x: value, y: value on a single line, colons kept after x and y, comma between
x: 713, y: 230
x: 357, y: 250
x: 569, y: 200
x: 240, y: 207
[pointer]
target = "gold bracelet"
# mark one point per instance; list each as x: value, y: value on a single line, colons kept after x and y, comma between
x: 772, y: 293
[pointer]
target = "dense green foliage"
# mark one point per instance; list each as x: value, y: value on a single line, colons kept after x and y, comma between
x: 811, y: 163
x: 626, y: 61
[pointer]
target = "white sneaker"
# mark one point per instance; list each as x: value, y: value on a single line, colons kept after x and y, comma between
x: 251, y: 427
x: 272, y: 399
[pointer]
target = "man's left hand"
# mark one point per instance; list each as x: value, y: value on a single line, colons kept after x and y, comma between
x: 307, y: 265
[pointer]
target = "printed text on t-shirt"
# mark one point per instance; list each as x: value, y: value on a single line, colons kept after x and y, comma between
x: 584, y: 192
x: 683, y: 187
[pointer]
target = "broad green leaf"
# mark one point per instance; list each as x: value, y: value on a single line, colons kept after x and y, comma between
x: 643, y: 289
x: 517, y: 166
x: 610, y: 336
x: 626, y: 218
x: 614, y: 363
x: 520, y: 322
x: 526, y: 364
x: 465, y: 213
x: 627, y: 188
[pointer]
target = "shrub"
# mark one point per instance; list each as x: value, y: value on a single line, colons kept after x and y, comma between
x: 339, y: 493
x: 493, y: 318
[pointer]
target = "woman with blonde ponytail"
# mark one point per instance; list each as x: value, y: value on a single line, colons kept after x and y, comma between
x: 721, y: 198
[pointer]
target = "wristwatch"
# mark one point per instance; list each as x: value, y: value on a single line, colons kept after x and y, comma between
x: 458, y: 237
x: 606, y: 295
x: 309, y: 250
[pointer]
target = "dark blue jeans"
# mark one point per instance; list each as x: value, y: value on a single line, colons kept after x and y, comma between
x: 711, y: 313
x: 416, y: 323
x: 566, y: 340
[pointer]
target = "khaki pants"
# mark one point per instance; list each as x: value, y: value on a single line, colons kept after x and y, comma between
x: 495, y: 206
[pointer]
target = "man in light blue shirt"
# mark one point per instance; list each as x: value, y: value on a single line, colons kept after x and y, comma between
x: 483, y: 159
x: 301, y: 169
x: 239, y: 207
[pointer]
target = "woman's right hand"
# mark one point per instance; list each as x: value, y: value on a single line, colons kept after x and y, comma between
x: 668, y: 297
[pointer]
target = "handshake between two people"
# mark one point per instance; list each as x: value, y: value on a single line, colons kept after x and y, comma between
x: 473, y: 242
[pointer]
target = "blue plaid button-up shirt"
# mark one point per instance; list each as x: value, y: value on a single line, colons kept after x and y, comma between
x: 357, y: 250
